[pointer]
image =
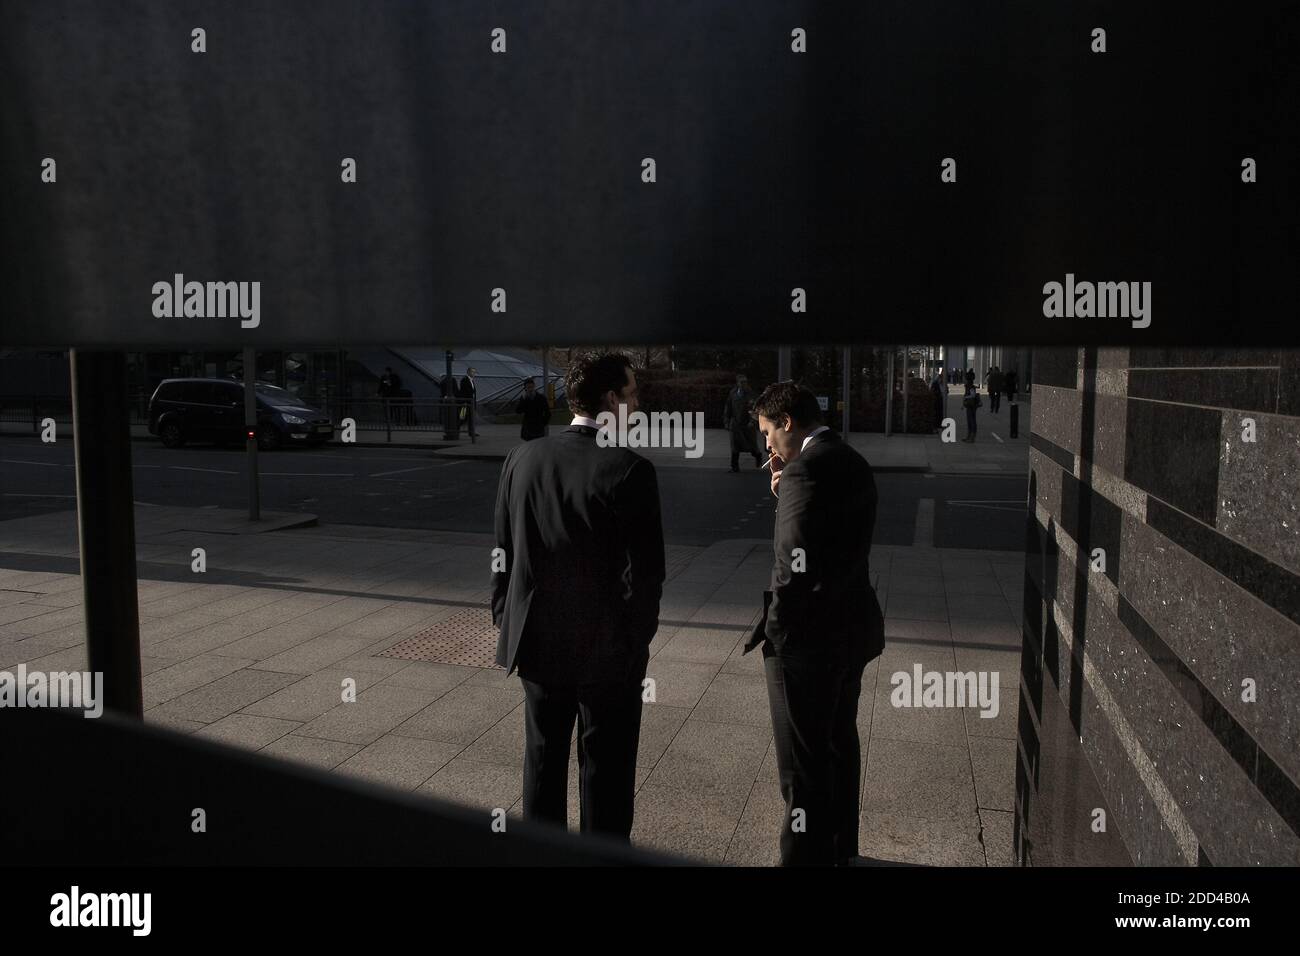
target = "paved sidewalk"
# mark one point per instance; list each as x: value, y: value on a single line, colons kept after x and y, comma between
x: 254, y: 652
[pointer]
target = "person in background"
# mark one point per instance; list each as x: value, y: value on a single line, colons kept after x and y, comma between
x: 469, y: 399
x: 534, y: 411
x: 970, y: 401
x: 996, y: 382
x: 737, y: 420
x: 1011, y: 385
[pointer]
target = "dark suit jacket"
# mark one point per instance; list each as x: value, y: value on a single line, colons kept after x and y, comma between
x: 536, y: 413
x: 584, y: 549
x: 826, y: 506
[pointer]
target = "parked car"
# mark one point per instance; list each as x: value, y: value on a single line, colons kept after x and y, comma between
x: 212, y: 409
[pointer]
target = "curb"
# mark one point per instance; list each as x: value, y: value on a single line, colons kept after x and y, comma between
x: 247, y: 527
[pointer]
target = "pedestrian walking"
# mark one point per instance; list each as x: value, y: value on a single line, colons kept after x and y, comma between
x: 997, y: 381
x: 737, y: 420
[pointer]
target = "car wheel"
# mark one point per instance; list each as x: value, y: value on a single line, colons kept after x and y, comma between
x: 171, y: 434
x: 268, y: 439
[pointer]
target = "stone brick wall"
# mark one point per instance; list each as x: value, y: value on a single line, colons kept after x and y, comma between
x: 1162, y: 586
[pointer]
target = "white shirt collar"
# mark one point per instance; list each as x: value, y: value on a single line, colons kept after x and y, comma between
x: 584, y: 421
x: 811, y: 435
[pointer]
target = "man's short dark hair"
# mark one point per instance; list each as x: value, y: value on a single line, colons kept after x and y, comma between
x: 591, y: 376
x: 788, y: 398
x: 528, y: 380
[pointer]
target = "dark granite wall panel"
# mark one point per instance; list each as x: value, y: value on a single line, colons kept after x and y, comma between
x: 1288, y: 387
x: 1282, y: 795
x: 1270, y: 583
x: 1259, y: 488
x: 1047, y: 472
x: 1058, y: 367
x: 1221, y: 634
x: 1201, y: 596
x: 1172, y: 452
x: 1057, y: 414
x: 1113, y: 357
x: 1178, y: 357
x: 1249, y: 389
x: 1111, y: 419
x: 1058, y: 824
x: 1198, y: 775
x: 1152, y: 825
x: 1103, y: 525
x: 1053, y: 451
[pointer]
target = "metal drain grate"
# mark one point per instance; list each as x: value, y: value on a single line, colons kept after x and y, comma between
x: 467, y: 638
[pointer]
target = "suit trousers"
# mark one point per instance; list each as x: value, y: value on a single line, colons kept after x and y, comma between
x: 609, y: 731
x: 814, y: 703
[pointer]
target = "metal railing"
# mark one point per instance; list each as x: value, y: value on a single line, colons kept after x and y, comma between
x: 32, y: 411
x: 401, y: 415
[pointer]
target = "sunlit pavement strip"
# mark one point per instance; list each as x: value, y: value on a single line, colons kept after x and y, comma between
x: 254, y: 652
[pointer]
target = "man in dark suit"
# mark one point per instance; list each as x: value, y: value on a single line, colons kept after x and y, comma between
x: 822, y: 626
x: 577, y: 603
x: 534, y: 412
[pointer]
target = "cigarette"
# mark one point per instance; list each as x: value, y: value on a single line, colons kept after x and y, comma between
x: 768, y: 462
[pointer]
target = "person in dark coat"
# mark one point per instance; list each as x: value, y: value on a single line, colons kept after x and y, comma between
x: 450, y: 389
x: 534, y: 411
x: 576, y: 597
x: 821, y: 624
x: 997, y: 381
x: 469, y: 400
x: 1011, y: 385
x: 737, y: 420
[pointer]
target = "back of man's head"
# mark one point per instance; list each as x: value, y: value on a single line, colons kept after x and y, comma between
x: 789, y: 399
x: 591, y: 376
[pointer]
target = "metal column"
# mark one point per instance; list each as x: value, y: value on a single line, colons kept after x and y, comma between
x: 250, y: 428
x: 889, y: 395
x: 907, y: 367
x: 106, y: 525
x: 844, y: 387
